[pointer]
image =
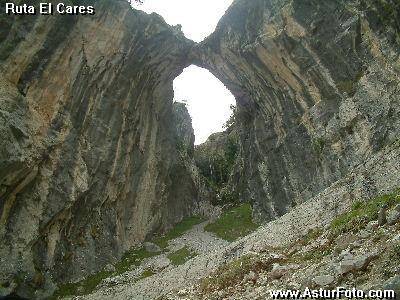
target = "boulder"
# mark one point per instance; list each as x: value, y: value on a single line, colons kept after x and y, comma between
x: 344, y: 241
x: 371, y: 226
x: 393, y: 284
x: 352, y: 264
x: 364, y: 234
x: 151, y: 247
x: 346, y: 255
x: 347, y: 266
x: 160, y: 263
x: 109, y: 268
x: 251, y: 277
x: 324, y: 280
x: 323, y: 242
x: 382, y: 219
x: 393, y: 217
x: 278, y: 271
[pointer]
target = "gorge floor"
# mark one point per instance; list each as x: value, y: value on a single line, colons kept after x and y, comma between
x: 191, y: 243
x: 322, y: 254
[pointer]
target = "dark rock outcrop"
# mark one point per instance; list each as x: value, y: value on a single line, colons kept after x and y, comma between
x: 216, y: 159
x: 184, y: 129
x: 317, y: 88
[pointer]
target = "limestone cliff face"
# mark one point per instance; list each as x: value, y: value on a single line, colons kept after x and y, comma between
x: 317, y: 85
x: 89, y: 164
x: 94, y: 157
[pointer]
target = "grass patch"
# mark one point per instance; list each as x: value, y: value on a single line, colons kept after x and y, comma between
x: 83, y: 287
x: 362, y: 213
x: 146, y: 273
x: 347, y: 86
x: 313, y: 255
x: 234, y: 223
x: 311, y: 235
x: 181, y: 256
x: 132, y: 258
x: 177, y: 231
x: 232, y: 273
x: 350, y: 86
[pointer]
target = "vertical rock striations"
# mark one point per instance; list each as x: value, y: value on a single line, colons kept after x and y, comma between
x: 89, y: 164
x: 317, y: 87
x: 94, y: 156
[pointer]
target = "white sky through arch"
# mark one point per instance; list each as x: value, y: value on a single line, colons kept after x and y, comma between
x: 208, y: 100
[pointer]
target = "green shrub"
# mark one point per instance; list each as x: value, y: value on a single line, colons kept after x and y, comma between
x: 217, y: 164
x: 362, y: 213
x: 84, y: 287
x: 311, y: 235
x: 131, y: 258
x: 318, y: 145
x: 232, y: 273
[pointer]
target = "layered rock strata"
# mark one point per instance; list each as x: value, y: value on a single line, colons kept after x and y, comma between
x: 317, y: 88
x: 89, y: 156
x: 94, y: 157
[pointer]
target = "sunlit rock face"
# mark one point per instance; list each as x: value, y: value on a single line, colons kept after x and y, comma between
x: 89, y: 163
x: 317, y: 86
x: 94, y: 157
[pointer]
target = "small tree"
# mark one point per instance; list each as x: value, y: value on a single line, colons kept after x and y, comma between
x: 232, y: 119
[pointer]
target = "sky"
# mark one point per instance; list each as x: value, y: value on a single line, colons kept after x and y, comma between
x: 207, y: 98
x: 197, y: 17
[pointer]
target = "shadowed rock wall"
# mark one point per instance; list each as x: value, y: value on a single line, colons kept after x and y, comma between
x: 89, y: 162
x: 317, y: 88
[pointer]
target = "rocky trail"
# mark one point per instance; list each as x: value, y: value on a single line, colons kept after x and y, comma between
x: 196, y: 241
x: 288, y: 252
